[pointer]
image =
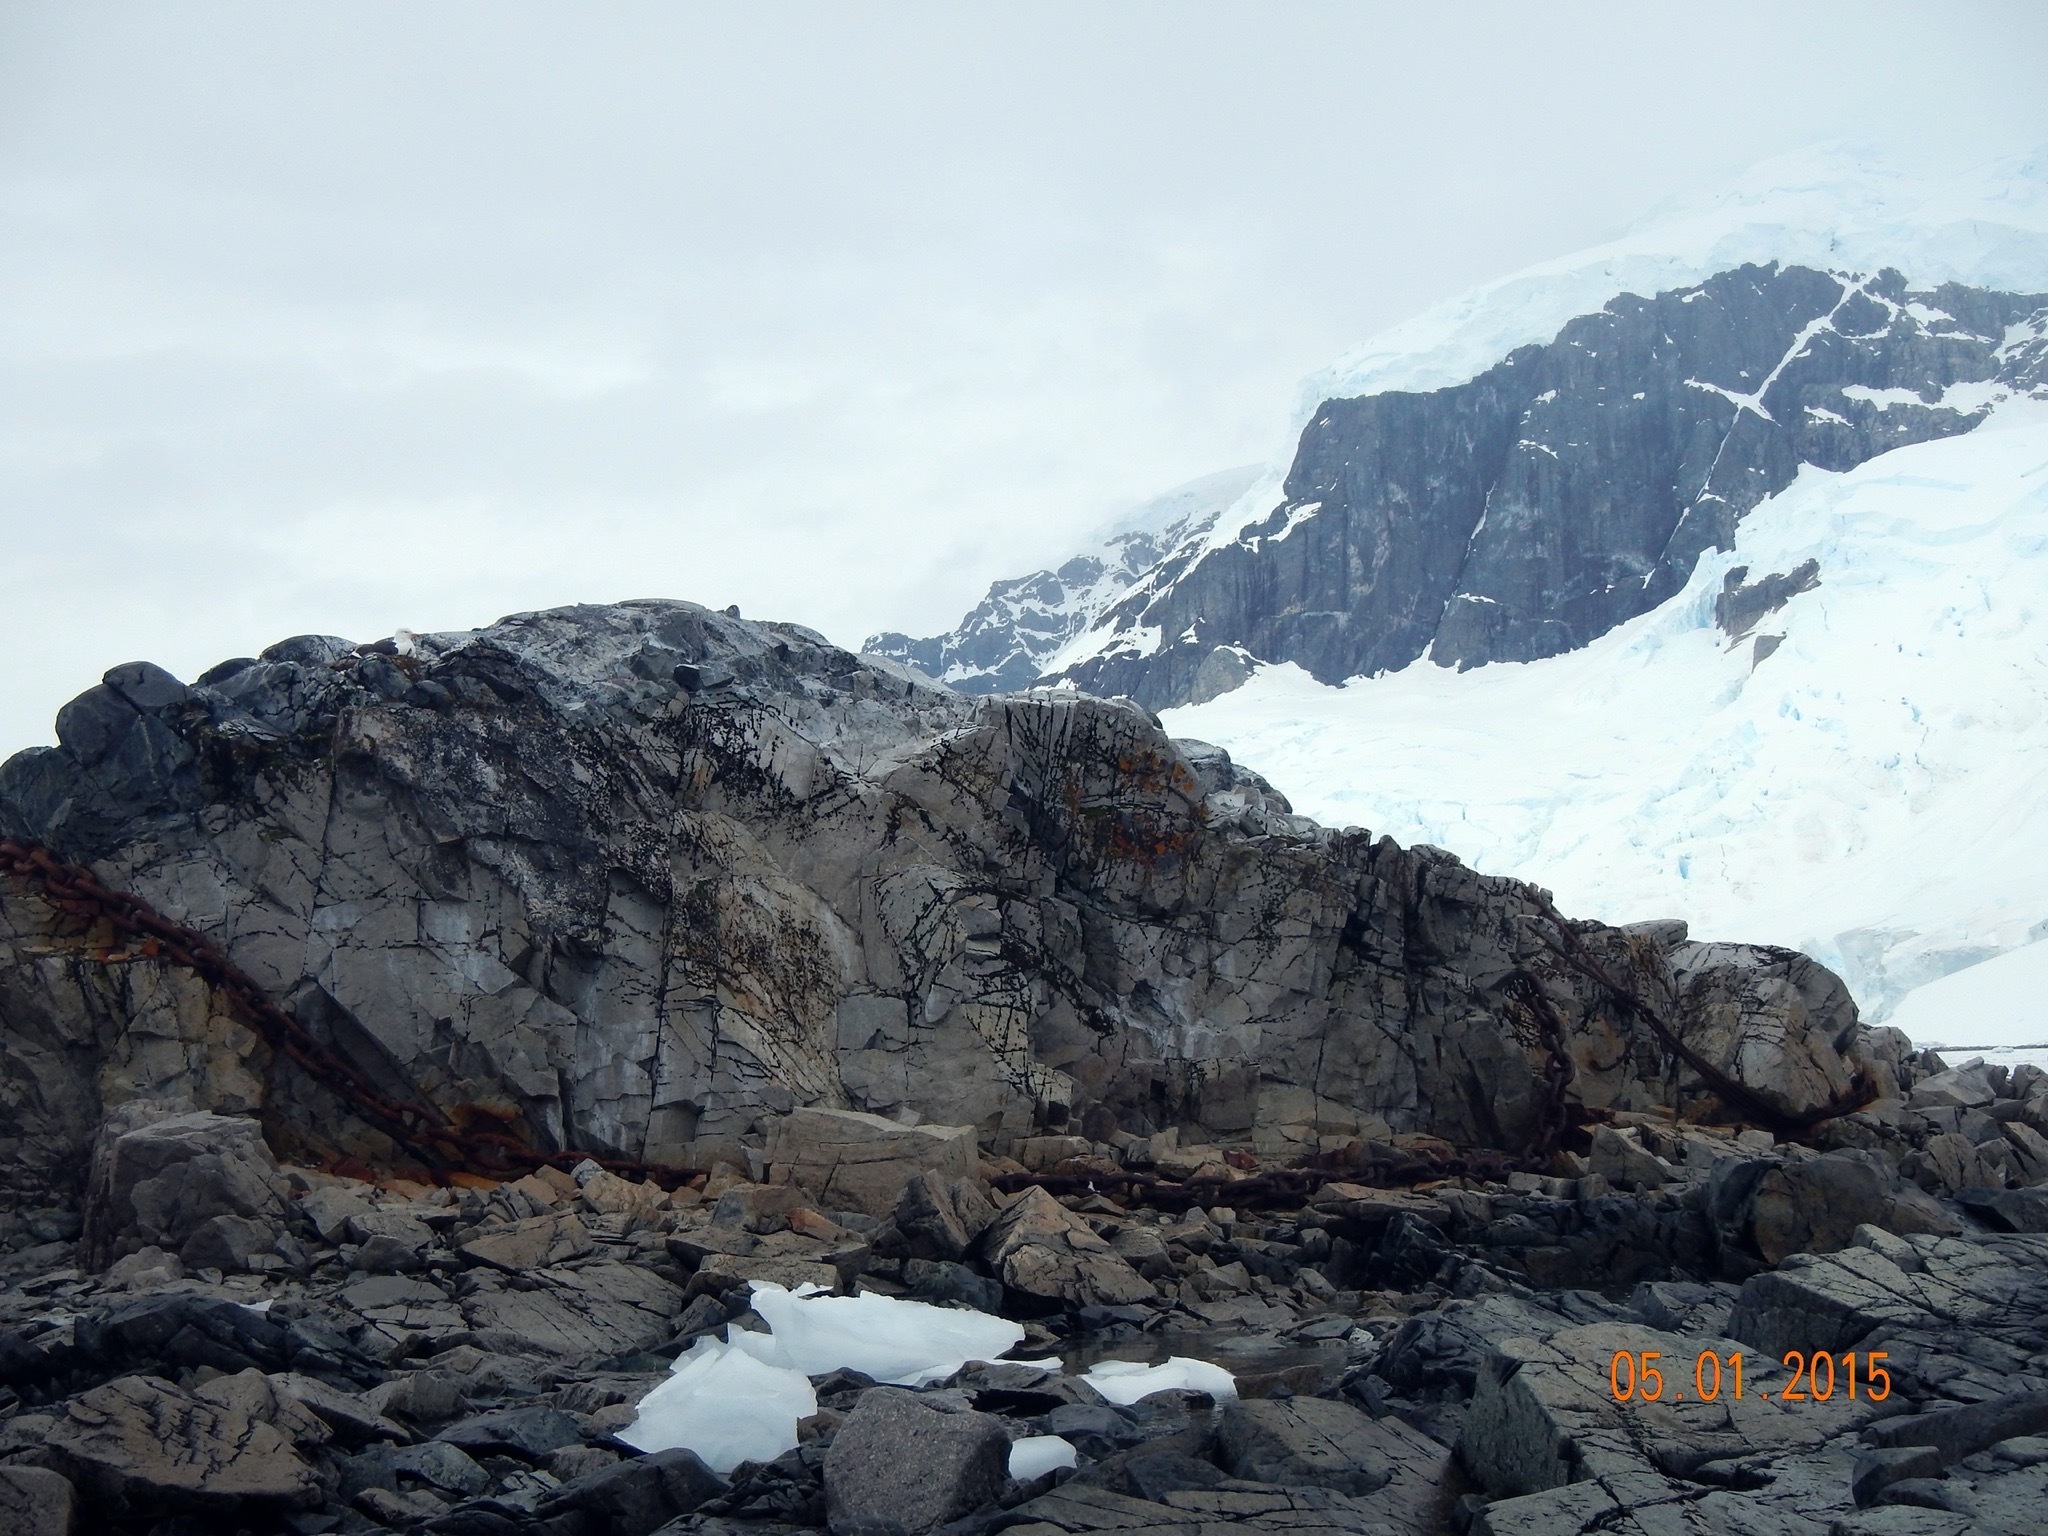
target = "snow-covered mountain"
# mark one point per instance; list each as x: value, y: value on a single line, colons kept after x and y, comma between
x: 1728, y: 542
x: 1861, y: 773
x: 1007, y: 640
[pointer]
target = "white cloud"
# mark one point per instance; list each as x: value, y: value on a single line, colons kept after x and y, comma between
x: 341, y: 318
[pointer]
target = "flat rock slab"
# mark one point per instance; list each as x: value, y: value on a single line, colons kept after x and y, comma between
x: 343, y: 1412
x: 1078, y: 1510
x: 143, y: 1442
x: 593, y: 1311
x: 1301, y: 1442
x: 401, y: 1313
x: 722, y: 1272
x: 531, y: 1244
x: 1396, y: 1474
x: 1832, y: 1301
x: 1544, y: 1413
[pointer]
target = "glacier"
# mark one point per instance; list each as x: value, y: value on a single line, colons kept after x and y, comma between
x: 1874, y: 791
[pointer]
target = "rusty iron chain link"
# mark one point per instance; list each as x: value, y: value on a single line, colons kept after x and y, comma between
x: 1567, y: 947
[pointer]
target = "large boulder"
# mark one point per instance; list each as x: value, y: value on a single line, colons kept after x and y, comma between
x: 941, y: 1218
x: 140, y: 1443
x: 1047, y: 1257
x: 856, y: 1162
x: 916, y: 1460
x: 158, y: 1180
x: 35, y: 1501
x: 1781, y: 1024
x: 1778, y: 1207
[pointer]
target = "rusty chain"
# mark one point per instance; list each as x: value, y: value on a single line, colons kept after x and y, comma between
x: 447, y: 1143
x: 442, y: 1141
x: 1571, y: 950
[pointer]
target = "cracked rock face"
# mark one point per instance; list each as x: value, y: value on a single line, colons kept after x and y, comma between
x: 147, y: 1444
x: 634, y: 878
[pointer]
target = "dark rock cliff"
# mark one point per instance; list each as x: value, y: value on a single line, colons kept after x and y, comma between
x: 1572, y: 486
x: 636, y: 876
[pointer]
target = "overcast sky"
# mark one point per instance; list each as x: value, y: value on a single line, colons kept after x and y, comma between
x: 349, y: 316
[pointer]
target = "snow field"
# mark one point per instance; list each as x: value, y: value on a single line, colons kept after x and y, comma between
x: 1875, y: 792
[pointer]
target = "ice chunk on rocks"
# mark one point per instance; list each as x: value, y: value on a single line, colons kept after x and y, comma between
x: 900, y: 1343
x: 1036, y: 1455
x: 1125, y: 1381
x: 724, y: 1404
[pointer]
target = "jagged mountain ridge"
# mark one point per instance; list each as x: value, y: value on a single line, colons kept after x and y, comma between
x: 1005, y: 642
x: 1570, y: 487
x: 1195, y: 626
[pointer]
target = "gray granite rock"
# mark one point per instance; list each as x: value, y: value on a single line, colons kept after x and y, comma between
x: 1302, y: 1442
x: 35, y: 1501
x: 908, y: 1458
x: 654, y: 920
x: 143, y: 1444
x: 1046, y: 1255
x: 157, y: 1183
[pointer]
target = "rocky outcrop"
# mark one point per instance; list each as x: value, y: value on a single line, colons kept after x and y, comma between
x: 1008, y: 639
x: 1413, y: 1360
x: 646, y: 879
x: 1571, y: 486
x: 176, y: 1181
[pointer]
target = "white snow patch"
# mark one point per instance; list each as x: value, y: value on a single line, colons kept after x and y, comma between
x: 1123, y: 1382
x: 741, y: 1400
x: 1883, y: 399
x: 1296, y: 518
x: 1970, y: 398
x: 1036, y: 1455
x: 725, y: 1405
x: 1834, y: 209
x: 2002, y: 1003
x: 1875, y: 792
x: 1821, y: 413
x: 902, y: 1343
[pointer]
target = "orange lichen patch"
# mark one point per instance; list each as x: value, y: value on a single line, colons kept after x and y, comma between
x: 460, y: 1180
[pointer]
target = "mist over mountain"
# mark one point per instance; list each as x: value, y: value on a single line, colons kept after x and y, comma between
x: 1695, y: 572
